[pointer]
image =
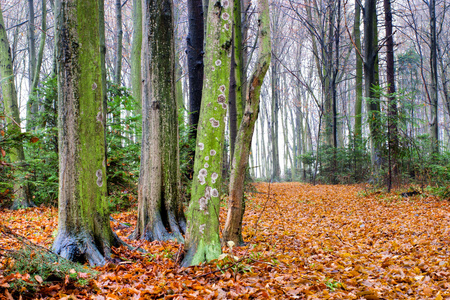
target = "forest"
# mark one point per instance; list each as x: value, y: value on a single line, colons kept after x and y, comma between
x: 187, y: 149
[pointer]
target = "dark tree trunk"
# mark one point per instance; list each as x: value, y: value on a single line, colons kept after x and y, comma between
x: 118, y: 42
x: 434, y: 128
x: 370, y: 77
x: 392, y: 105
x: 195, y: 53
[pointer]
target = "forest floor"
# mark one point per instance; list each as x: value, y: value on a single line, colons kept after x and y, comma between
x: 304, y: 242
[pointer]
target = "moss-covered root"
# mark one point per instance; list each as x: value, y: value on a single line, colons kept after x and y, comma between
x: 203, y: 252
x: 80, y: 247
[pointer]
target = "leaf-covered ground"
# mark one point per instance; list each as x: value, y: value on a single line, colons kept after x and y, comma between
x: 304, y: 242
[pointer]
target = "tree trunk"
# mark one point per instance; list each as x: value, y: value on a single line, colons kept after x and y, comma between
x: 274, y: 124
x: 202, y: 238
x: 392, y: 102
x: 84, y: 232
x: 32, y: 106
x: 41, y: 47
x: 237, y: 77
x: 22, y: 197
x: 233, y: 224
x: 370, y: 77
x: 136, y: 46
x: 194, y: 51
x: 118, y: 44
x: 359, y: 76
x: 434, y: 128
x: 158, y: 208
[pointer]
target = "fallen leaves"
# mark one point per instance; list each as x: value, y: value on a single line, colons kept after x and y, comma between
x: 304, y: 242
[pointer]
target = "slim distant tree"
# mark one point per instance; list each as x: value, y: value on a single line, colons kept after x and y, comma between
x: 359, y: 75
x: 160, y: 216
x: 237, y: 77
x: 202, y: 237
x: 392, y: 102
x: 434, y: 91
x: 118, y: 41
x: 233, y: 225
x: 136, y: 46
x: 31, y: 105
x: 40, y: 54
x: 16, y: 154
x: 84, y: 232
x: 371, y: 78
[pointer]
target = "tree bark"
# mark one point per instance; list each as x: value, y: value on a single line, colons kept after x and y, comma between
x: 41, y: 47
x: 158, y: 195
x: 84, y: 232
x: 22, y: 197
x: 370, y: 77
x: 202, y: 238
x: 233, y: 224
x: 392, y: 101
x: 434, y: 128
x: 274, y: 124
x: 32, y: 106
x: 118, y: 42
x: 359, y: 76
x: 136, y: 46
x: 195, y: 52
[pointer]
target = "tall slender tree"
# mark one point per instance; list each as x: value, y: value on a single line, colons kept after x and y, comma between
x: 202, y: 237
x: 434, y: 91
x: 371, y: 78
x: 160, y: 216
x: 392, y: 102
x: 195, y: 54
x: 16, y: 154
x: 233, y: 224
x: 31, y: 105
x: 136, y: 47
x: 359, y: 75
x: 84, y: 232
x: 118, y: 44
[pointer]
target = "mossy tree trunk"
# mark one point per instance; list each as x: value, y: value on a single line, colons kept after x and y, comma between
x: 84, y: 232
x: 236, y: 106
x: 371, y: 79
x: 359, y: 76
x: 233, y: 224
x: 136, y: 47
x: 159, y: 213
x: 16, y: 154
x: 202, y: 238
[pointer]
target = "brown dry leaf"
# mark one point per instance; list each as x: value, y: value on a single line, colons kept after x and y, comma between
x: 38, y: 279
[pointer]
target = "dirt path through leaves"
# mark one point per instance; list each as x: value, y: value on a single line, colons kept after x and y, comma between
x: 311, y: 242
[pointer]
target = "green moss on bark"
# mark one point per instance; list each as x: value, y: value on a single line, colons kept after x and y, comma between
x: 202, y: 238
